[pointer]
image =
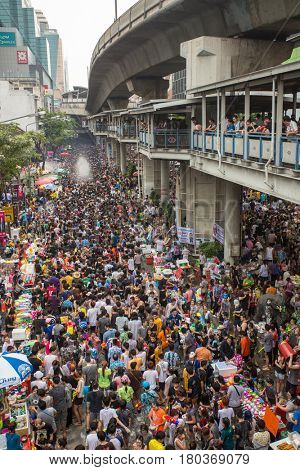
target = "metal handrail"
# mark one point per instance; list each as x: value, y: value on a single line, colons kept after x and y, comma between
x: 261, y: 138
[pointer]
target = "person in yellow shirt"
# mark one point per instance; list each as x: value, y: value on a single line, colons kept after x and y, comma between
x: 158, y: 322
x: 68, y: 278
x: 157, y: 351
x: 157, y: 443
x: 137, y: 360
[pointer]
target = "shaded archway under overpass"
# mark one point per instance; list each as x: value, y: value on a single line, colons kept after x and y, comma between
x: 144, y: 44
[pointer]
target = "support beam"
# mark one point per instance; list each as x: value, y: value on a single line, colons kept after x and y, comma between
x: 222, y: 117
x: 279, y: 117
x: 247, y: 113
x: 204, y: 123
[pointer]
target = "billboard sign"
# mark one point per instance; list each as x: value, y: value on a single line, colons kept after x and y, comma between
x: 7, y: 39
x: 185, y: 235
x: 218, y: 233
x: 22, y: 57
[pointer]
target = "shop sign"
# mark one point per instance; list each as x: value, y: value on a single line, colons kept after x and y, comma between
x: 7, y: 39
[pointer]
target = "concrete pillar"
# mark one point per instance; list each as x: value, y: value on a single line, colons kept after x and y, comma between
x: 205, y: 205
x: 148, y: 176
x: 123, y: 162
x: 116, y: 152
x: 190, y: 198
x: 165, y: 180
x: 232, y: 221
x: 182, y: 194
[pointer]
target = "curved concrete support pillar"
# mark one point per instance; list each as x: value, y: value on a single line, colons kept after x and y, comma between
x: 165, y: 180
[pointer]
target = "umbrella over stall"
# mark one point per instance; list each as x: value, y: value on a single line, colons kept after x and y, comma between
x: 14, y: 368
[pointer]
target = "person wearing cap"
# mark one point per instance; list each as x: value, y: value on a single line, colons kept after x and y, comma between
x: 38, y: 382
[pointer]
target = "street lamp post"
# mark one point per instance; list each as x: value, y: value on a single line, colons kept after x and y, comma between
x: 116, y: 10
x: 29, y: 168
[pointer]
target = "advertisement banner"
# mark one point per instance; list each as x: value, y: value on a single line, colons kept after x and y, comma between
x: 185, y: 235
x: 7, y: 39
x: 9, y: 213
x: 218, y: 233
x: 22, y: 57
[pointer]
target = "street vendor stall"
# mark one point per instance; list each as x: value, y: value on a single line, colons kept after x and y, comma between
x: 14, y: 370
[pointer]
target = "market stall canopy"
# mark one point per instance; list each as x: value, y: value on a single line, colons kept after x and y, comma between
x: 14, y: 368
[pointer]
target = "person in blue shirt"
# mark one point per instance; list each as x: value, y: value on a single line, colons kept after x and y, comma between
x: 230, y: 126
x: 296, y: 416
x: 13, y: 440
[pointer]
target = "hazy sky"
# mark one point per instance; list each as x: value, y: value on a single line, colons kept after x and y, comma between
x: 80, y: 24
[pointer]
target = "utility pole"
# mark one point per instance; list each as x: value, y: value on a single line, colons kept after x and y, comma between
x: 116, y: 10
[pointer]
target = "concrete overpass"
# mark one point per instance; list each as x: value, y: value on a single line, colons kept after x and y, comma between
x: 143, y: 45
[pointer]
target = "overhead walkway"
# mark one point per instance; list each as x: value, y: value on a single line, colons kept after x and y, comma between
x: 143, y: 45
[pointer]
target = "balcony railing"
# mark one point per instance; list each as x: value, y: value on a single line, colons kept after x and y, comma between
x: 127, y: 131
x: 101, y: 127
x: 258, y: 147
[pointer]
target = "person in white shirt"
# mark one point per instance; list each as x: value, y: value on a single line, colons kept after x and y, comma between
x: 92, y: 315
x: 134, y: 325
x: 151, y: 375
x: 226, y: 412
x: 162, y: 370
x: 49, y: 360
x: 130, y: 264
x: 92, y: 440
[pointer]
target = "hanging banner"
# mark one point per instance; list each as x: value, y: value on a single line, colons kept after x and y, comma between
x: 218, y: 233
x: 9, y: 213
x: 185, y: 235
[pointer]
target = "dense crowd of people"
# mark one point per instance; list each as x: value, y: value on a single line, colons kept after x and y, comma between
x: 123, y: 357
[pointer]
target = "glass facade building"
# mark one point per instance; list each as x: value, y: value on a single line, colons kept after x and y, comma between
x: 32, y: 25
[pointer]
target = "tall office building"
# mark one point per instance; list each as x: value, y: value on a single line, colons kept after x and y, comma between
x: 66, y: 75
x: 43, y: 42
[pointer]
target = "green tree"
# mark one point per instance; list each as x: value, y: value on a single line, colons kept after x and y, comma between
x: 17, y: 149
x: 58, y: 129
x: 40, y: 141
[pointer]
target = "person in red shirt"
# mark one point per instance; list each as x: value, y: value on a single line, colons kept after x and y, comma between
x: 245, y: 346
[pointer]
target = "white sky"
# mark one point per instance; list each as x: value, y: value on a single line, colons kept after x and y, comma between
x: 80, y: 24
